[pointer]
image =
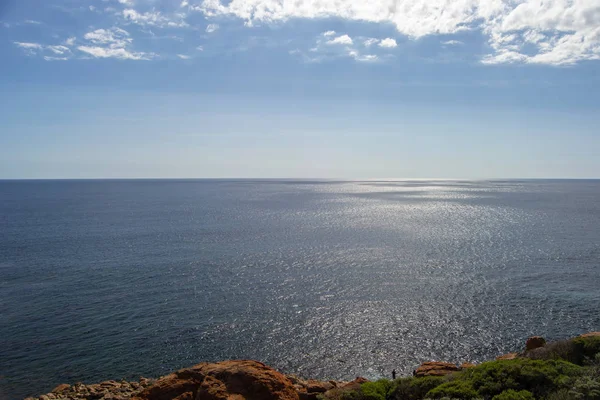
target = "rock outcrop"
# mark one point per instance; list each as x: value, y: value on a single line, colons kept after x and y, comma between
x: 227, y: 380
x: 436, y: 368
x: 108, y: 390
x: 509, y: 356
x: 535, y: 342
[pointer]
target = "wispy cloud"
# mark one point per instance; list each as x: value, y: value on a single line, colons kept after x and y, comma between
x: 453, y: 43
x: 112, y: 43
x: 212, y: 28
x: 154, y: 18
x: 370, y: 42
x: 51, y: 52
x: 183, y: 56
x: 104, y: 52
x: 31, y: 46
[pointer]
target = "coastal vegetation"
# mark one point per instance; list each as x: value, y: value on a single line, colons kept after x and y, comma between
x: 564, y: 370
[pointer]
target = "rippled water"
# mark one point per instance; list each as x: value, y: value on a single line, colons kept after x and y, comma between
x: 111, y: 279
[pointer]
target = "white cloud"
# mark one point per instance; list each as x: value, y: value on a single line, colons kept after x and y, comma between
x: 114, y: 37
x: 183, y: 56
x: 212, y: 28
x: 370, y: 42
x: 32, y: 22
x: 453, y: 43
x: 112, y: 43
x: 362, y: 58
x: 70, y: 41
x: 388, y: 43
x: 126, y: 2
x: 570, y: 28
x: 328, y: 33
x: 120, y: 53
x: 155, y: 18
x: 59, y: 49
x: 59, y: 52
x: 184, y: 3
x: 344, y: 39
x: 200, y: 48
x: 29, y: 46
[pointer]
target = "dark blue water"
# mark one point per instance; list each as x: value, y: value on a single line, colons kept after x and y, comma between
x: 112, y: 279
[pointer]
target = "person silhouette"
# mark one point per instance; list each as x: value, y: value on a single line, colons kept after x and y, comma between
x: 393, y: 374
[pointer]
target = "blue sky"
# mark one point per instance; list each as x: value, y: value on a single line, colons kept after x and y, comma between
x: 303, y: 88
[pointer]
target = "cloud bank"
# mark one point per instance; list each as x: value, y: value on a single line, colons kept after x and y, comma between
x: 529, y: 31
x: 549, y: 32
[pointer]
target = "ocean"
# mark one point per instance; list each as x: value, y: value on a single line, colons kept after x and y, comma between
x: 110, y: 279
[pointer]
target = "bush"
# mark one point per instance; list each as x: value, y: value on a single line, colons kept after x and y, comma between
x: 586, y: 388
x: 414, y: 388
x: 563, y: 349
x: 589, y: 347
x: 457, y: 389
x: 514, y: 395
x: 538, y: 376
x: 377, y: 390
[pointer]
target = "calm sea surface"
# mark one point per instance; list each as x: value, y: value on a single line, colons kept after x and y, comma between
x: 117, y: 279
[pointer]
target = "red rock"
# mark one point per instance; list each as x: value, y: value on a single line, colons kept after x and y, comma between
x: 245, y: 379
x: 61, y: 388
x: 313, y: 386
x: 509, y: 356
x: 355, y: 384
x: 436, y: 368
x: 535, y: 342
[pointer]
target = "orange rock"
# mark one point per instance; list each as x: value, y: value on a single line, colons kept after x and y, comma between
x: 590, y: 334
x: 509, y: 356
x: 535, y: 342
x: 355, y: 384
x: 227, y: 380
x: 467, y: 365
x: 61, y: 388
x: 313, y: 386
x: 436, y: 368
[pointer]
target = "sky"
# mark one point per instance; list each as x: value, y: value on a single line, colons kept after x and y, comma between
x: 469, y: 89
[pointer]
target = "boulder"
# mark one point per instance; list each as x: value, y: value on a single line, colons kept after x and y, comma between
x: 535, y: 342
x: 509, y: 356
x: 590, y: 334
x: 467, y: 365
x: 355, y: 384
x: 227, y: 380
x: 61, y: 388
x: 435, y: 368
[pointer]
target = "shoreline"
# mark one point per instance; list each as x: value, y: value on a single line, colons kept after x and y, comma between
x: 254, y: 380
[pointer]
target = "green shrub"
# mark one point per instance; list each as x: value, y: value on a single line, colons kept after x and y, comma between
x: 563, y: 349
x: 414, y: 388
x: 586, y: 388
x: 589, y: 347
x: 456, y: 389
x: 377, y: 390
x: 538, y: 376
x: 514, y: 395
x: 562, y: 394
